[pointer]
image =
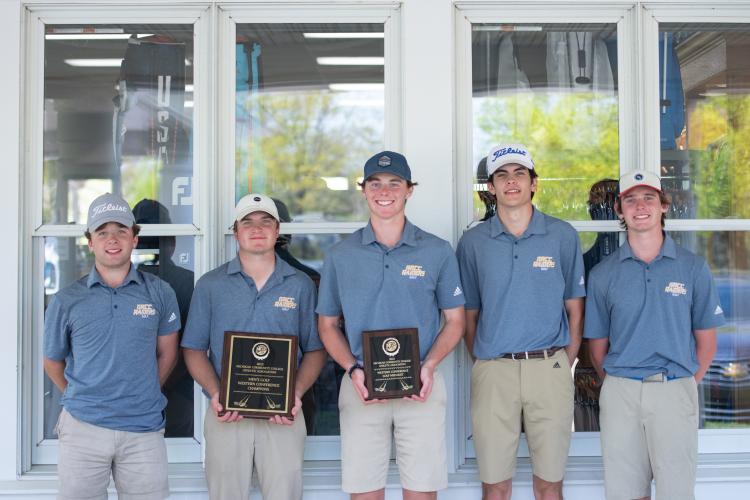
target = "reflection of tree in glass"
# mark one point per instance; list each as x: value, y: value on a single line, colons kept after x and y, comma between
x: 573, y: 137
x: 304, y: 137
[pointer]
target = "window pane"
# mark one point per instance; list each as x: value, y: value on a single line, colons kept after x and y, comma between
x: 309, y: 112
x: 117, y: 117
x: 552, y: 87
x: 171, y: 258
x: 725, y: 390
x: 704, y: 111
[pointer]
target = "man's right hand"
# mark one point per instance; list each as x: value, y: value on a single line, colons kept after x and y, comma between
x: 358, y: 380
x: 221, y: 416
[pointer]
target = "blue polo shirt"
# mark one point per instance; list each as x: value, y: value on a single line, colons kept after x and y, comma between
x: 519, y: 285
x: 379, y: 288
x: 649, y: 310
x: 226, y: 299
x: 107, y: 338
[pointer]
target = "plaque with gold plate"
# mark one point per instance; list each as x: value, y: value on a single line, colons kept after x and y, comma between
x: 257, y: 374
x: 391, y: 363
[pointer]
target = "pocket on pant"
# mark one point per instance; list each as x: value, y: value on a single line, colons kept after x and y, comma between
x: 58, y: 425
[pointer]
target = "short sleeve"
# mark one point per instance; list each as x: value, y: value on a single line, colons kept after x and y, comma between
x: 197, y: 333
x: 329, y: 301
x: 56, y: 331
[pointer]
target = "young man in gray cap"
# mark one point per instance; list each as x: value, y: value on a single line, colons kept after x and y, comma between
x: 522, y: 272
x: 254, y: 292
x: 391, y: 274
x: 110, y: 341
x: 651, y: 317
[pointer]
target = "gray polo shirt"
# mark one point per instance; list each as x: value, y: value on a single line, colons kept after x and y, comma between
x: 378, y: 288
x: 107, y: 337
x: 519, y: 285
x: 226, y: 299
x: 649, y: 310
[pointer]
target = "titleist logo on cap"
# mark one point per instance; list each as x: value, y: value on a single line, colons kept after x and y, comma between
x: 509, y: 151
x: 108, y: 207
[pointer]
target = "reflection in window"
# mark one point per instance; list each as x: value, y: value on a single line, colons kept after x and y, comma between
x: 320, y: 404
x: 552, y: 87
x: 309, y: 112
x: 704, y: 108
x: 117, y: 117
x: 169, y: 257
x: 725, y: 390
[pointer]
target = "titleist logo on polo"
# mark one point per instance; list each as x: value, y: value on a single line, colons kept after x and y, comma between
x: 108, y: 207
x: 508, y: 151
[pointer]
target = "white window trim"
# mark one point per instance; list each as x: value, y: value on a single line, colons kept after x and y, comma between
x: 387, y: 13
x: 35, y: 450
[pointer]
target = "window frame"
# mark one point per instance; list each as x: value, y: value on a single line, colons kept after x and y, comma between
x: 34, y: 449
x: 387, y: 13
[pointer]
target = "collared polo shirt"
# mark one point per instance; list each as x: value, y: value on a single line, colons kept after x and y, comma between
x: 107, y: 338
x: 379, y: 288
x: 226, y: 299
x: 648, y: 311
x: 519, y: 285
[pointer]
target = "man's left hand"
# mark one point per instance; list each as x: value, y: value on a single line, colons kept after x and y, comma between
x: 281, y: 420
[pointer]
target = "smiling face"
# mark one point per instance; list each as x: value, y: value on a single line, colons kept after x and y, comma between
x: 256, y: 233
x: 386, y: 195
x: 112, y: 243
x: 641, y: 209
x: 512, y: 185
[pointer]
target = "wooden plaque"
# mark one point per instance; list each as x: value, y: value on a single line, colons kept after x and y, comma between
x: 391, y: 363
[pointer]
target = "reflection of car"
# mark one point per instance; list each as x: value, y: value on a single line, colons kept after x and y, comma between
x: 726, y: 386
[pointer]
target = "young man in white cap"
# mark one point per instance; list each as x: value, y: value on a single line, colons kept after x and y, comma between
x: 522, y: 272
x: 391, y: 274
x: 110, y: 341
x: 651, y: 317
x: 254, y: 292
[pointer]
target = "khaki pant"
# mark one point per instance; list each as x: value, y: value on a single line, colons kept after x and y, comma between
x: 276, y: 451
x: 418, y: 430
x: 649, y: 430
x: 506, y: 391
x: 88, y: 454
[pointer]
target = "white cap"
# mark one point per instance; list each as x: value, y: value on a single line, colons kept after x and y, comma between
x: 508, y: 153
x: 639, y: 178
x: 254, y: 202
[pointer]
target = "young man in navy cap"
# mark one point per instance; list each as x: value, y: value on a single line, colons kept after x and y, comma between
x: 522, y: 272
x: 651, y: 317
x: 254, y: 292
x: 110, y: 341
x: 391, y: 274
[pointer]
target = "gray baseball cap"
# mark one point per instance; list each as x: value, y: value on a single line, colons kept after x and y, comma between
x: 109, y: 208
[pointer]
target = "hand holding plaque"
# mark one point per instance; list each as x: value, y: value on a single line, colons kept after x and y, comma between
x: 391, y: 363
x: 258, y: 374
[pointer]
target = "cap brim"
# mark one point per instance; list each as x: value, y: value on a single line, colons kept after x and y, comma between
x: 639, y: 185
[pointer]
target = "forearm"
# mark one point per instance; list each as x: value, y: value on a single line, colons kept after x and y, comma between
x: 705, y: 350
x: 166, y: 355
x: 335, y: 342
x: 201, y: 370
x: 597, y: 353
x: 56, y: 372
x: 309, y: 369
x: 449, y: 336
x: 472, y: 319
x: 574, y: 310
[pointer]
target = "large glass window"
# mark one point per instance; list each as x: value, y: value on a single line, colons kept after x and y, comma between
x: 310, y: 109
x: 704, y: 111
x: 552, y: 87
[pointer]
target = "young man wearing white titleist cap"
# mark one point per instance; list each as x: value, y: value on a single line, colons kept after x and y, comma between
x: 110, y: 341
x: 651, y: 317
x: 254, y: 292
x: 522, y: 272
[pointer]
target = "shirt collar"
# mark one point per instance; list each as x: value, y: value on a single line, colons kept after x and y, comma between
x: 408, y: 237
x: 96, y: 278
x: 280, y: 271
x: 537, y: 225
x: 668, y: 249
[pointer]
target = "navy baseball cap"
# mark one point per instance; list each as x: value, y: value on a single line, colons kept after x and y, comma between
x: 388, y: 162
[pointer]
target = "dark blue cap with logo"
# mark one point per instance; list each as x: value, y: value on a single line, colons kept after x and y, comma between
x: 388, y: 162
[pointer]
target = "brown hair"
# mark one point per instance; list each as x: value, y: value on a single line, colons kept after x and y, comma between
x: 135, y: 228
